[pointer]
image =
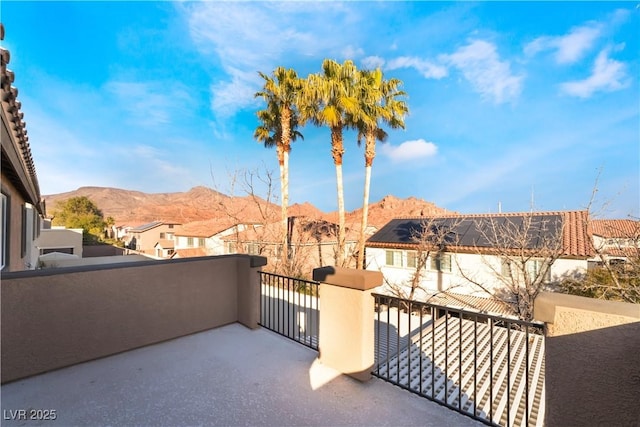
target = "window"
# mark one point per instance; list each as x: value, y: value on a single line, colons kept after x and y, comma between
x: 253, y: 249
x: 533, y: 268
x: 201, y: 242
x: 408, y: 259
x: 441, y: 262
x: 60, y: 250
x: 412, y: 259
x: 3, y: 232
x: 162, y: 235
x: 394, y: 258
x: 505, y: 267
x: 170, y: 225
x: 231, y: 247
x: 190, y: 242
x: 170, y: 236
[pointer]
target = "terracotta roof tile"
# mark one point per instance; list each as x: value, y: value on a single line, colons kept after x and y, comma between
x: 189, y: 253
x: 206, y: 228
x: 576, y: 237
x: 166, y: 244
x: 616, y: 228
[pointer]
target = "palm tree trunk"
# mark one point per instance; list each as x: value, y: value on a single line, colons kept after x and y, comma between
x: 337, y: 151
x: 340, y: 188
x: 365, y: 215
x: 285, y: 206
x: 369, y: 155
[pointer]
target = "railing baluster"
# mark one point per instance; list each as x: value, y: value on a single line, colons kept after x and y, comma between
x: 488, y: 337
x: 460, y: 365
x: 526, y: 372
x: 282, y: 306
x: 508, y: 391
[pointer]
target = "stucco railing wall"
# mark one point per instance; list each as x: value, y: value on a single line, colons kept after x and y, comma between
x: 60, y: 317
x: 592, y: 360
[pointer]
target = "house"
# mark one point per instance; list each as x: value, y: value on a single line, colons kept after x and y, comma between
x: 200, y: 238
x: 616, y: 240
x: 165, y: 248
x: 143, y: 238
x: 477, y: 254
x: 22, y: 208
x: 61, y: 240
x: 312, y: 243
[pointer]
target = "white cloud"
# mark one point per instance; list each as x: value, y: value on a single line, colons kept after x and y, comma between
x: 351, y: 52
x: 149, y: 103
x: 372, y: 62
x: 608, y: 75
x: 481, y: 66
x: 568, y: 48
x: 244, y: 38
x: 428, y: 69
x: 410, y: 150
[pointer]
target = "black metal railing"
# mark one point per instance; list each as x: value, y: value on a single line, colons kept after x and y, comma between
x: 487, y: 367
x: 290, y: 307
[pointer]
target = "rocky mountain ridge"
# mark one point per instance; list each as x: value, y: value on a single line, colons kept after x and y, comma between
x: 201, y: 203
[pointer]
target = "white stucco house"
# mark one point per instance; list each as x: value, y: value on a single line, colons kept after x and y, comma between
x: 475, y: 254
x: 202, y: 238
x: 616, y: 240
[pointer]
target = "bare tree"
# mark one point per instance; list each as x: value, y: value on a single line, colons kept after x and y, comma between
x: 615, y: 270
x: 429, y: 239
x: 518, y: 251
x: 249, y: 199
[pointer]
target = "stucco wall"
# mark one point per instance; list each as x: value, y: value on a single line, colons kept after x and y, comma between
x: 592, y: 361
x: 61, y: 238
x: 14, y: 261
x: 56, y: 318
x: 15, y: 201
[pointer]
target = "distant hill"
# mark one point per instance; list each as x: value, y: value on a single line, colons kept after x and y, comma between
x: 135, y: 207
x: 387, y: 208
x: 202, y: 203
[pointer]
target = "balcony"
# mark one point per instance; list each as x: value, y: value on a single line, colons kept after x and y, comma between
x: 226, y: 376
x: 179, y: 343
x: 177, y: 353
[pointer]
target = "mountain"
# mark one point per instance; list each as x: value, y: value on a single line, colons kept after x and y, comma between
x: 135, y: 207
x: 202, y: 203
x: 386, y: 209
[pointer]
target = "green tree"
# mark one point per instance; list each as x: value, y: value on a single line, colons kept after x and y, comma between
x: 80, y: 212
x: 278, y: 123
x: 331, y: 100
x: 380, y: 101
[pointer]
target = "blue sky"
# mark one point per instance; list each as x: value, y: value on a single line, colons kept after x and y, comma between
x: 509, y: 102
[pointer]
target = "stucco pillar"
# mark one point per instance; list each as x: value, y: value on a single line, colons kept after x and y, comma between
x: 249, y: 289
x: 592, y: 362
x: 347, y: 337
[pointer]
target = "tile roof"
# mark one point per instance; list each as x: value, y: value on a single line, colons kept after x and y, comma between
x: 17, y: 159
x: 206, y: 228
x: 616, y: 228
x: 146, y: 227
x: 189, y: 253
x: 165, y: 244
x: 491, y: 306
x: 305, y: 230
x: 474, y: 232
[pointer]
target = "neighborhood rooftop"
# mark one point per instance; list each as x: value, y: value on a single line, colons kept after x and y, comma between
x: 475, y: 232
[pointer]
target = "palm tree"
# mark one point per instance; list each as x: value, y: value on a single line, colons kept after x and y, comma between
x: 278, y: 129
x: 331, y: 100
x: 380, y: 101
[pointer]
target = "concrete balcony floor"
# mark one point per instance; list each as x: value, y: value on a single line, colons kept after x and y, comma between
x: 224, y: 377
